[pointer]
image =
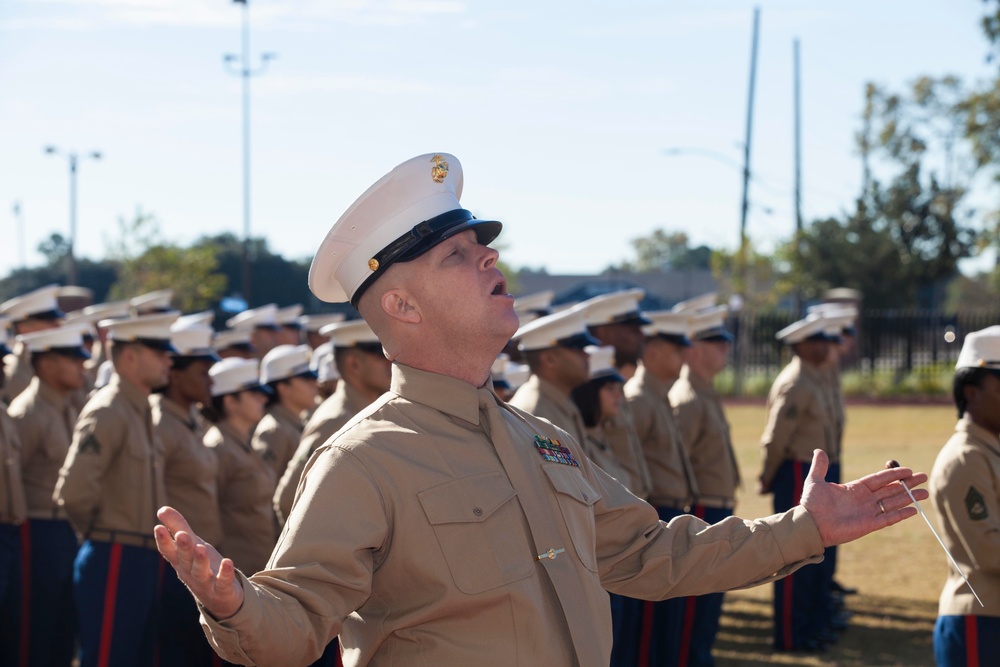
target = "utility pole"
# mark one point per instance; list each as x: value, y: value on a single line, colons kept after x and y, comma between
x: 73, y: 159
x: 798, y: 165
x: 244, y: 71
x: 19, y: 220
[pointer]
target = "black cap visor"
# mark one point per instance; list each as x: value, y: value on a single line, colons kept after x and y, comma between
x: 425, y: 236
x: 716, y: 335
x: 578, y: 341
x: 679, y: 340
x: 161, y: 344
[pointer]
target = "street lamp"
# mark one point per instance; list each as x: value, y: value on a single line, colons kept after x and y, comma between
x: 73, y: 159
x: 239, y: 65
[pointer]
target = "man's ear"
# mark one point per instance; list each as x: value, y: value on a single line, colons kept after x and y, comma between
x: 399, y: 305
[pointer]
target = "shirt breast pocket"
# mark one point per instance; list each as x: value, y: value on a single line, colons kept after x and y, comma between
x: 576, y: 498
x: 480, y: 529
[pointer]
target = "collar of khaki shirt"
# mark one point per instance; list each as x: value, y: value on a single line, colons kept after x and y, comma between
x: 700, y: 384
x: 285, y: 416
x: 229, y: 433
x: 562, y: 401
x: 133, y: 395
x: 978, y: 433
x: 443, y: 393
x: 353, y: 399
x: 191, y: 418
x: 650, y: 382
x: 49, y: 395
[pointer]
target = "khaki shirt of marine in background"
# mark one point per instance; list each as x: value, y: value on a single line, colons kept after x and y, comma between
x: 674, y: 484
x: 189, y: 467
x: 112, y: 479
x: 542, y: 399
x: 326, y: 420
x: 798, y: 419
x: 246, y: 486
x: 44, y: 420
x: 13, y: 506
x: 276, y: 437
x: 625, y: 444
x: 416, y: 517
x: 597, y: 449
x: 705, y: 433
x: 17, y: 371
x: 835, y: 401
x: 965, y: 490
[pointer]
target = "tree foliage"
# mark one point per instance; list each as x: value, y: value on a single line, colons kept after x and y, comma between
x: 663, y: 250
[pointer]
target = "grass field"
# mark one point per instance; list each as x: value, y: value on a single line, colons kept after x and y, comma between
x: 898, y: 572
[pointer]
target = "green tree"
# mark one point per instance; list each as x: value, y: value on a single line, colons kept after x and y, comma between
x: 146, y: 262
x: 666, y: 250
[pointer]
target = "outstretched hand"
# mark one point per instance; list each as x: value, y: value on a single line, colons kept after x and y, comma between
x: 845, y: 512
x: 209, y: 576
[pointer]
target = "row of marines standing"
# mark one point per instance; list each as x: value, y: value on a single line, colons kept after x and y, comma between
x: 669, y: 442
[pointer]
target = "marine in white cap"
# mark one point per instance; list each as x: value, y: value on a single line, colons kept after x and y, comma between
x: 234, y: 343
x: 442, y: 525
x: 245, y: 481
x: 190, y: 470
x: 312, y: 324
x: 704, y: 431
x: 110, y: 486
x: 152, y: 302
x: 285, y: 369
x: 37, y: 310
x: 262, y: 324
x: 13, y: 513
x: 95, y: 314
x: 365, y: 374
x: 532, y: 306
x: 327, y: 375
x: 289, y: 326
x: 965, y: 491
x: 799, y: 420
x: 554, y: 347
x: 44, y: 417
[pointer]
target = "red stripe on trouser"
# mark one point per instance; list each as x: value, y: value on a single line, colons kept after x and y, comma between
x: 646, y: 633
x: 25, y: 638
x: 971, y: 642
x: 110, y: 595
x: 789, y: 582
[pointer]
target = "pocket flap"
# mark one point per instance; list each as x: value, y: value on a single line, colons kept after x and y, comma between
x: 569, y: 481
x: 466, y: 500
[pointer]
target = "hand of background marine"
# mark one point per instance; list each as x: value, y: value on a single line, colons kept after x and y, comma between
x: 209, y: 576
x: 845, y: 512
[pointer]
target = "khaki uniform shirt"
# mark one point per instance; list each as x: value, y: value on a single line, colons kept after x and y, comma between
x: 835, y: 400
x: 189, y: 467
x: 13, y: 505
x: 674, y: 484
x: 621, y: 435
x: 798, y: 419
x: 246, y: 486
x: 595, y: 446
x: 44, y: 420
x: 418, y: 530
x: 965, y: 491
x: 327, y: 419
x: 277, y: 437
x: 542, y: 399
x: 17, y: 371
x: 112, y: 479
x: 705, y: 433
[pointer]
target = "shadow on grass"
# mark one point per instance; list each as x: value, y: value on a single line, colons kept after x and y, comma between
x: 883, y: 632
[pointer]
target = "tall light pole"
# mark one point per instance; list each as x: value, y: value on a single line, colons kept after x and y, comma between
x: 19, y: 218
x: 240, y: 66
x: 73, y: 160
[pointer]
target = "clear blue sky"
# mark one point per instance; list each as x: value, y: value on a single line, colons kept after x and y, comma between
x: 559, y: 111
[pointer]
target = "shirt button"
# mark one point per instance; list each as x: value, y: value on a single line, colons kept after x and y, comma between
x: 478, y: 511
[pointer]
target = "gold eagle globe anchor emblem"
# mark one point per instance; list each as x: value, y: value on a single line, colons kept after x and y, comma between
x: 440, y: 169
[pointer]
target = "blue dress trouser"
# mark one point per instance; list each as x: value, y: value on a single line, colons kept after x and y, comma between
x: 50, y: 548
x: 967, y: 641
x: 117, y: 599
x: 801, y: 600
x: 10, y: 594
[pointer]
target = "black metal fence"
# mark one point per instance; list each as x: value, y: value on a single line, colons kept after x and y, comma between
x: 915, y: 348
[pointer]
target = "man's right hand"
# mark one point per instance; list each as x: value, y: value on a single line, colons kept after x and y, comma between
x: 209, y: 576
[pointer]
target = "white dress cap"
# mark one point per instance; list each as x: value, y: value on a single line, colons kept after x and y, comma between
x: 40, y: 304
x: 323, y: 364
x: 671, y: 326
x: 285, y: 361
x: 350, y: 334
x: 152, y: 302
x: 981, y: 349
x: 615, y: 308
x: 66, y: 340
x: 710, y: 324
x: 204, y: 318
x: 317, y: 321
x: 234, y: 374
x: 289, y: 316
x: 567, y: 328
x: 601, y: 363
x: 193, y: 339
x: 697, y: 303
x: 233, y: 338
x: 796, y: 332
x: 263, y: 316
x: 403, y: 215
x: 537, y: 304
x: 149, y: 330
x: 99, y: 311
